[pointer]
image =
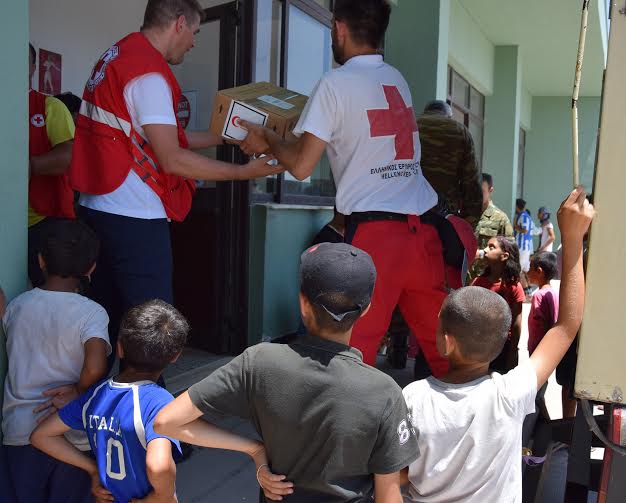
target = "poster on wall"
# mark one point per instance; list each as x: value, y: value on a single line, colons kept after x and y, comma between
x: 50, y: 66
x: 188, y: 110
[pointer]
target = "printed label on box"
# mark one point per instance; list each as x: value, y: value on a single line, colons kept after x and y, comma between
x: 276, y: 102
x: 240, y: 111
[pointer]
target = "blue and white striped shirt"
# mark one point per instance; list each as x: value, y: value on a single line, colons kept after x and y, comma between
x: 525, y: 241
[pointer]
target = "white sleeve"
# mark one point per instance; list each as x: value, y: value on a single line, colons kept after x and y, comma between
x: 520, y: 389
x: 319, y: 116
x: 149, y: 100
x: 96, y: 326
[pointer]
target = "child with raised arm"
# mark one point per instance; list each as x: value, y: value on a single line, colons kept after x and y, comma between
x: 470, y: 421
x: 57, y: 345
x: 132, y: 461
x: 336, y: 427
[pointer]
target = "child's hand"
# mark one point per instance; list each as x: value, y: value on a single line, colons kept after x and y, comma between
x: 98, y: 491
x: 274, y: 486
x: 575, y: 215
x: 59, y: 398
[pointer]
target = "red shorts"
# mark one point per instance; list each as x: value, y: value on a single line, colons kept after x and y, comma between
x: 410, y: 274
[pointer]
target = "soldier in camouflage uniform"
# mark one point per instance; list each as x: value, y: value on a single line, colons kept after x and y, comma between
x: 449, y: 162
x: 493, y: 222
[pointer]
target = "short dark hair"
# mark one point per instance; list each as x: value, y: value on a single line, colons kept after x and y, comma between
x: 367, y: 20
x: 547, y: 262
x: 478, y: 319
x: 160, y: 13
x: 439, y: 107
x: 520, y: 203
x: 152, y: 334
x: 71, y: 101
x: 326, y: 323
x: 488, y: 179
x: 33, y: 52
x: 70, y: 249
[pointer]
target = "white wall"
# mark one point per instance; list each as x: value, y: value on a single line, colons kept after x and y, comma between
x: 526, y: 109
x: 81, y: 30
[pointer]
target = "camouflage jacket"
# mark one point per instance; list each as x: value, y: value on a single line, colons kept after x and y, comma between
x: 450, y: 166
x: 493, y: 222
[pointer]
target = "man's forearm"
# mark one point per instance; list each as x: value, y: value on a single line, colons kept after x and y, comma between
x: 203, y: 139
x: 287, y: 153
x: 198, y: 167
x: 53, y: 162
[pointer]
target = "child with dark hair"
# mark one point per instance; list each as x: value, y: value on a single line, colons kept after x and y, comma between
x: 470, y: 420
x: 57, y: 345
x: 132, y: 461
x: 502, y: 276
x: 545, y: 302
x: 334, y: 426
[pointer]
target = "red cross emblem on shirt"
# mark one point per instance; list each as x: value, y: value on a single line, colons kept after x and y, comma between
x: 398, y: 120
x: 38, y: 120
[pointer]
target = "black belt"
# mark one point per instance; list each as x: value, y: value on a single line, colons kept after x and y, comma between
x: 374, y: 216
x: 453, y: 249
x: 354, y: 219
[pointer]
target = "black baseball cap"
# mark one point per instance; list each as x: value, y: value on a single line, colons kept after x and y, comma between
x: 338, y: 277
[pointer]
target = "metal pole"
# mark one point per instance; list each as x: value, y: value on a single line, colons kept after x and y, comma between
x: 579, y: 68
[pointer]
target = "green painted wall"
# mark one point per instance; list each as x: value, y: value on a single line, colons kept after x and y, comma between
x: 471, y: 53
x: 278, y: 236
x: 548, y: 169
x: 417, y: 45
x: 13, y: 167
x: 502, y: 119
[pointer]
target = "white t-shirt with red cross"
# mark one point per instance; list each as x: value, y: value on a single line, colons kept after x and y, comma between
x: 363, y: 111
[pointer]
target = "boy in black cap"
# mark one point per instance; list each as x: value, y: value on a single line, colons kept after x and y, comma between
x: 335, y: 427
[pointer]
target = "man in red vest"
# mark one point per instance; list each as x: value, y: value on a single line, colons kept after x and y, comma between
x: 51, y: 132
x: 133, y: 164
x: 362, y: 116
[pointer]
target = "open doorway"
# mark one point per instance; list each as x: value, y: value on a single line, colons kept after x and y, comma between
x: 210, y: 247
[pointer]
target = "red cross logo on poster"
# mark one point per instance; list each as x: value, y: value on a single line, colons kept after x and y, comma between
x: 398, y: 120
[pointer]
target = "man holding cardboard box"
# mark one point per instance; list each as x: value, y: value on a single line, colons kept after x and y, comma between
x: 132, y: 161
x: 361, y: 114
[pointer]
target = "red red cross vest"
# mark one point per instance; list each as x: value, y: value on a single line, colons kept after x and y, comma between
x: 107, y: 147
x: 48, y: 195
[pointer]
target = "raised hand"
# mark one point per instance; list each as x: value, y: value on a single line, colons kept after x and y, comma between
x: 575, y: 215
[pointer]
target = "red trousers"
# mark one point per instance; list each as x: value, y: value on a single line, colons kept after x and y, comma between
x: 410, y: 274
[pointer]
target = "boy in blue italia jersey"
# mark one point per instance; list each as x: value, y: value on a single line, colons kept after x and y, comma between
x: 132, y: 462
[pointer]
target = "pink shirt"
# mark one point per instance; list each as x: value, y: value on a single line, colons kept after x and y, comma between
x: 544, y: 310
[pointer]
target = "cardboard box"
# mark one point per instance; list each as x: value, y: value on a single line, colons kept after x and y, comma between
x: 261, y: 103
